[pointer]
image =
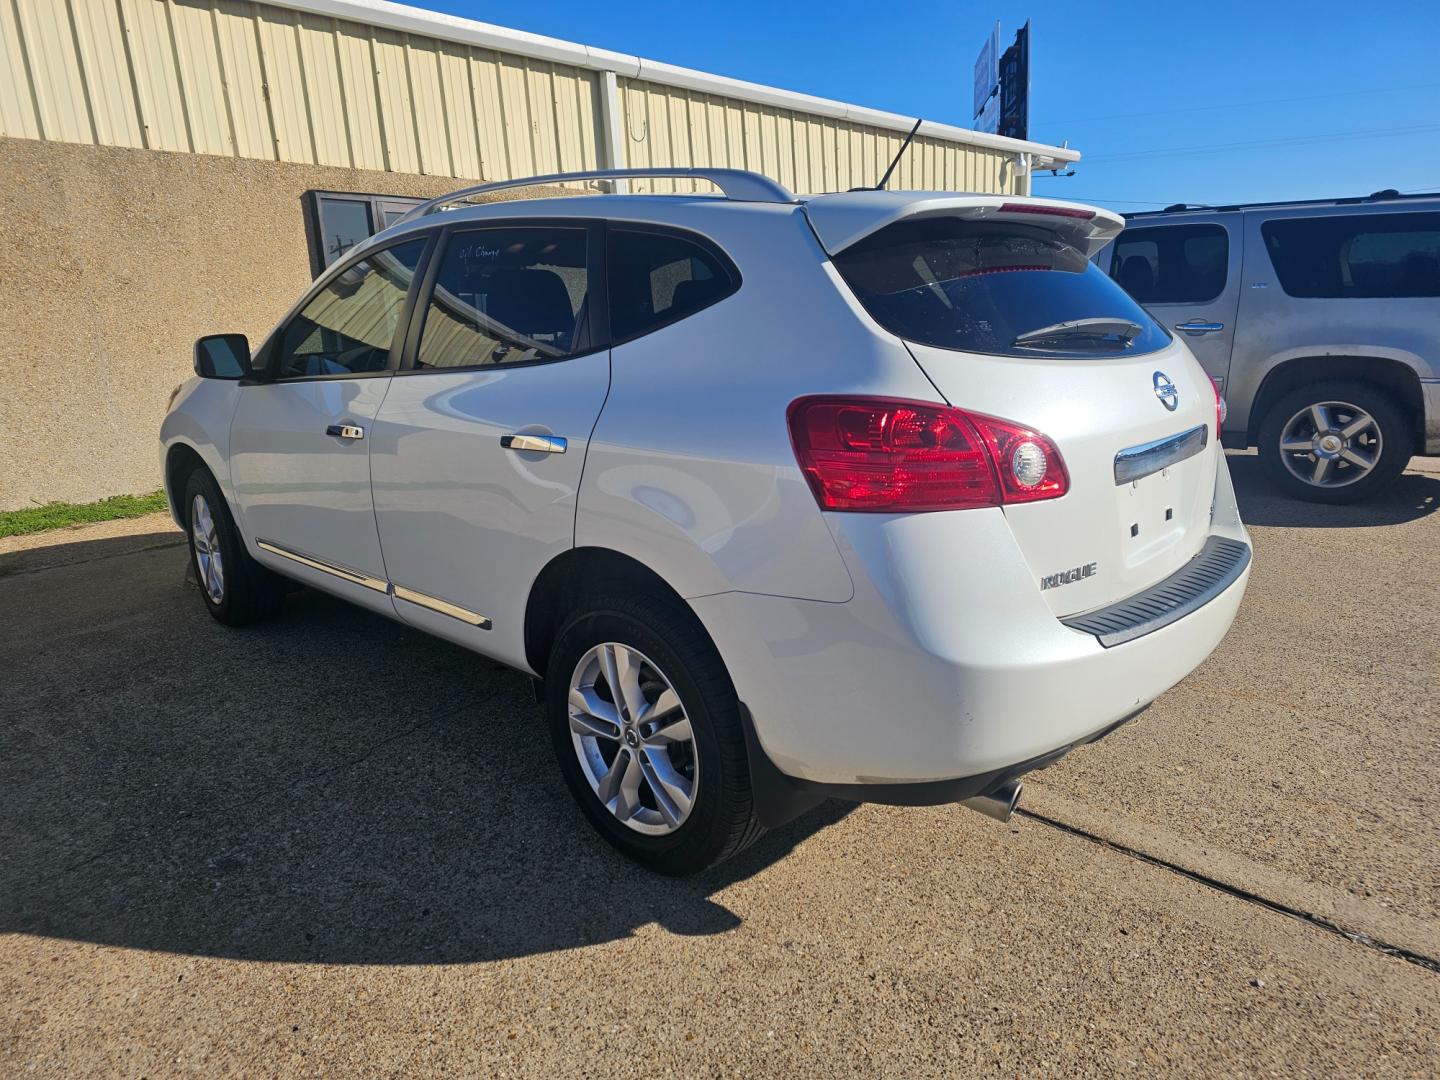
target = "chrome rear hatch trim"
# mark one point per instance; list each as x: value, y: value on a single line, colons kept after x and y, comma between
x: 1136, y: 462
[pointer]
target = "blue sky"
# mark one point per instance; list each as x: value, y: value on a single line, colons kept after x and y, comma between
x: 1117, y: 79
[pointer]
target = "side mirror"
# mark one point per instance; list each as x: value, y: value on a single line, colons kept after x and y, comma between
x: 222, y: 356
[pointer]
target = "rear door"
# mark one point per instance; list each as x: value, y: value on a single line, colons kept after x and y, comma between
x: 1009, y: 320
x: 1188, y: 276
x: 299, y: 441
x: 477, y: 452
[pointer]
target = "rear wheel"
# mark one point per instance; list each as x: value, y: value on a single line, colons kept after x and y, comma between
x: 1334, y: 442
x: 646, y: 728
x: 236, y: 589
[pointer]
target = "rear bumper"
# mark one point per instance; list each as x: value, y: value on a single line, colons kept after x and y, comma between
x: 963, y: 675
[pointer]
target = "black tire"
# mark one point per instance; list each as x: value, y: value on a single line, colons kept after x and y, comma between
x: 721, y: 820
x: 248, y: 592
x: 1396, y: 441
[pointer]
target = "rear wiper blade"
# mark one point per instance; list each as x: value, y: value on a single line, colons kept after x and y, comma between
x: 1094, y: 329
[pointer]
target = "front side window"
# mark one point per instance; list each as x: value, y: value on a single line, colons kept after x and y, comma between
x: 1361, y: 256
x: 994, y: 287
x: 348, y: 327
x: 657, y: 278
x: 507, y: 296
x: 1172, y: 264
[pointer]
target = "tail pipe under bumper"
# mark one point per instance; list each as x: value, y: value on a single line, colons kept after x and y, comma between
x: 999, y: 803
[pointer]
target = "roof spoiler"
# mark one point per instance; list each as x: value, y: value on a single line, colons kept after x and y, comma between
x: 842, y: 220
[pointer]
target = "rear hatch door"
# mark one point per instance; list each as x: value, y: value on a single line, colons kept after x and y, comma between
x: 1007, y: 317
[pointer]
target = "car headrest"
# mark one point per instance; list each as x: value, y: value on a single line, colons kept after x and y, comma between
x: 1136, y: 277
x: 533, y: 302
x: 693, y: 295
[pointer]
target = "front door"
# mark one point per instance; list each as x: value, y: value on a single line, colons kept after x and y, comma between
x: 477, y: 452
x: 299, y: 444
x: 1188, y: 277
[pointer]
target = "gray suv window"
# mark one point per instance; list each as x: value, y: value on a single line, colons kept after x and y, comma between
x: 1172, y: 264
x: 1357, y: 256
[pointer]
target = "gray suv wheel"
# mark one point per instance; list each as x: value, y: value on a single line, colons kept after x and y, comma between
x: 1334, y: 442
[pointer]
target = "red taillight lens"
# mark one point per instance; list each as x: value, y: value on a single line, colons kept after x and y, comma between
x: 1221, y: 409
x: 888, y: 455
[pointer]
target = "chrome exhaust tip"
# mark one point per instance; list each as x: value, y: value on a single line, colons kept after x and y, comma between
x: 998, y: 804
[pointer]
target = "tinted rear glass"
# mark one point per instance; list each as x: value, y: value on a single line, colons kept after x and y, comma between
x: 978, y: 286
x: 1358, y: 256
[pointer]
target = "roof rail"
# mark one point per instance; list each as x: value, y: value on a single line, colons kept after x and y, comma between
x: 737, y: 184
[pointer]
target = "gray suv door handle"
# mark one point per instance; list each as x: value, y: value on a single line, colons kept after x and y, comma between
x: 545, y: 444
x: 1196, y: 326
x: 345, y: 431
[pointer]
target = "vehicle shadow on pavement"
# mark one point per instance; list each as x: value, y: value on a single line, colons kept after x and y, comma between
x: 328, y: 787
x: 1413, y: 496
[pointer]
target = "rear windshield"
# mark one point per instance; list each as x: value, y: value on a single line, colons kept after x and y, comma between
x: 994, y: 287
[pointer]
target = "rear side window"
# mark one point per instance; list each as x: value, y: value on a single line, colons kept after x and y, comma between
x: 1361, y: 256
x: 657, y: 278
x: 994, y: 287
x: 507, y: 296
x: 1172, y: 264
x: 347, y: 328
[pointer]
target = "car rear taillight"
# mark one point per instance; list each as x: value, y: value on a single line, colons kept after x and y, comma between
x: 888, y: 455
x: 1221, y: 409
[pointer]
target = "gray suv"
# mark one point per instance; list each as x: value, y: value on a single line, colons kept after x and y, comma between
x: 1320, y: 322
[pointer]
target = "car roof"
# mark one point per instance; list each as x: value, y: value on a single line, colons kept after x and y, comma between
x: 1379, y: 197
x: 839, y: 219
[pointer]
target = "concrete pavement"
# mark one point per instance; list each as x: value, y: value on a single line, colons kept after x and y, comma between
x: 331, y: 846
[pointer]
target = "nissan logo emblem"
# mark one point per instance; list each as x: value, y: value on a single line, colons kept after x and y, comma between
x: 1166, y: 392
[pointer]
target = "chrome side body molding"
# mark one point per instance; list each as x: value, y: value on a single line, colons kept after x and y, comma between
x: 400, y: 592
x: 434, y: 603
x: 344, y: 573
x: 1136, y: 462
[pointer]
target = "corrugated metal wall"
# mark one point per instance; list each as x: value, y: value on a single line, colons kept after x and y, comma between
x: 244, y: 79
x: 667, y: 125
x: 233, y: 77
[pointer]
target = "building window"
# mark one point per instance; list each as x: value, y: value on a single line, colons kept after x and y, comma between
x: 338, y: 220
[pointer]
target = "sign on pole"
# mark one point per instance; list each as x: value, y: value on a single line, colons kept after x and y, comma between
x: 1014, y: 97
x: 987, y: 78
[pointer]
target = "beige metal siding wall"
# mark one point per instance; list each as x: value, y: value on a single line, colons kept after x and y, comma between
x: 242, y: 79
x: 666, y: 125
x: 250, y: 80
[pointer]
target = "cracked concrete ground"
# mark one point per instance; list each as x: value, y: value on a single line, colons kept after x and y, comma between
x: 331, y: 846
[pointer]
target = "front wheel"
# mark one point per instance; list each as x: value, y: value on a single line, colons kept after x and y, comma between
x: 646, y: 728
x: 1334, y: 442
x: 236, y: 589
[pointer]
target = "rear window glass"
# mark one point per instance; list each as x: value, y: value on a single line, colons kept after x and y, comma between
x: 1359, y: 256
x: 1172, y: 264
x: 994, y: 287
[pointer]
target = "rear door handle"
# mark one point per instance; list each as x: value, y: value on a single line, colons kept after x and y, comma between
x: 1198, y: 326
x: 345, y: 431
x: 545, y: 444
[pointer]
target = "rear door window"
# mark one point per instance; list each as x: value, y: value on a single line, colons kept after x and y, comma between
x: 507, y: 296
x: 1172, y: 264
x: 997, y: 287
x: 1359, y: 256
x: 657, y: 278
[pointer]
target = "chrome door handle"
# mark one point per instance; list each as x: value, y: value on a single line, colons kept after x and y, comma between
x: 345, y: 431
x: 545, y: 444
x: 1196, y: 326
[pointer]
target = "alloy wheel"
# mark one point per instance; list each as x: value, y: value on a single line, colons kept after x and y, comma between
x: 633, y: 739
x: 208, y: 560
x: 1331, y: 444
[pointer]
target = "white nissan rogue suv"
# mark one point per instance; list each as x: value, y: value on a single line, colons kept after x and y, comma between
x: 890, y: 496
